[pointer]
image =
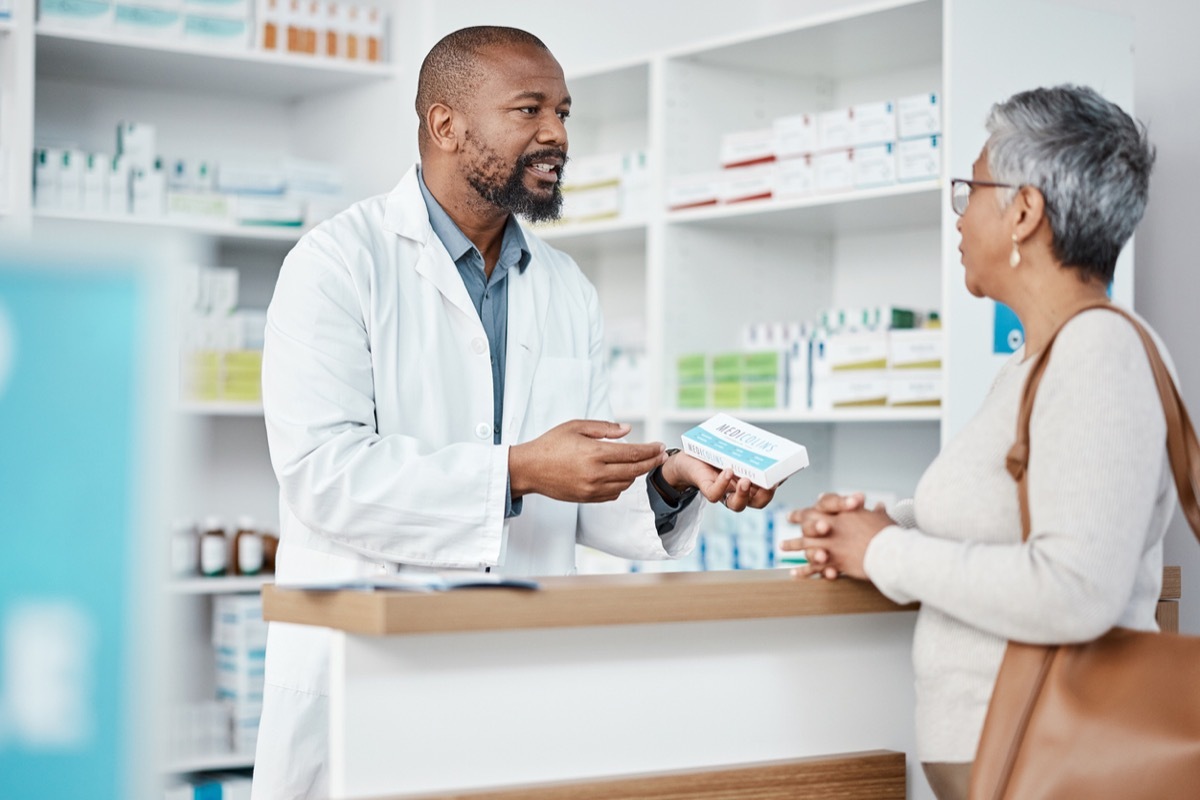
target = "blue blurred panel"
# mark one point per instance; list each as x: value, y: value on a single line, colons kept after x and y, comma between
x: 1007, y: 332
x: 69, y: 372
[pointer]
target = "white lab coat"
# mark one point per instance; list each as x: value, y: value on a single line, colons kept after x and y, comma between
x: 377, y: 388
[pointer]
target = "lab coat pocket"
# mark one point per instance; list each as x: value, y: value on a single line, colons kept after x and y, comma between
x: 561, y: 387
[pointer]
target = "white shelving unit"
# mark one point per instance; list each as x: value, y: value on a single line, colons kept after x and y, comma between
x: 218, y: 230
x: 239, y: 584
x: 210, y: 763
x: 226, y: 409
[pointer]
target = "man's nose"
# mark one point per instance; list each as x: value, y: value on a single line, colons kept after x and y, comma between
x: 553, y: 131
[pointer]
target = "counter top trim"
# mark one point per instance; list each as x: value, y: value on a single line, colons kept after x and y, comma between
x: 579, y: 601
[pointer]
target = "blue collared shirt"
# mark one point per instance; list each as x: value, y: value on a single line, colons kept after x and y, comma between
x: 489, y: 295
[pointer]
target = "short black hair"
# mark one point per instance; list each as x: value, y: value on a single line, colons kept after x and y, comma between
x: 451, y: 71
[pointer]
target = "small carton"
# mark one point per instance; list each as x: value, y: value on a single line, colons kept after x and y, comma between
x: 751, y: 452
x: 918, y: 115
x: 873, y: 123
x: 741, y: 184
x: 874, y: 166
x: 850, y: 390
x: 795, y: 136
x: 835, y: 129
x: 743, y: 148
x: 915, y: 388
x: 919, y: 159
x: 919, y: 349
x: 834, y: 172
x: 794, y: 178
x: 693, y: 190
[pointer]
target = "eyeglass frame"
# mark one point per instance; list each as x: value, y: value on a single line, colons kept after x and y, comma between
x: 971, y: 184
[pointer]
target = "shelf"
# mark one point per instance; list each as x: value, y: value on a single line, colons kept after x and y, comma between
x: 234, y: 585
x: 608, y: 232
x: 873, y: 415
x: 902, y: 205
x: 211, y: 763
x: 222, y: 409
x: 148, y: 63
x: 221, y: 230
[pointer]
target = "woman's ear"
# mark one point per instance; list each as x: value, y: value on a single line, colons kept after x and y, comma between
x: 1029, y: 209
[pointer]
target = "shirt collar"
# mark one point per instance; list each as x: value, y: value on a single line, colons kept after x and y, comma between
x: 456, y: 242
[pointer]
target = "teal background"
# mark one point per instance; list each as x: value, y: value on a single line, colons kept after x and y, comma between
x: 68, y: 441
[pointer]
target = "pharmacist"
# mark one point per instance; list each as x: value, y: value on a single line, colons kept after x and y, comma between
x: 435, y: 386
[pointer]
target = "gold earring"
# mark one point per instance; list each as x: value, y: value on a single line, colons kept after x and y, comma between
x: 1015, y: 258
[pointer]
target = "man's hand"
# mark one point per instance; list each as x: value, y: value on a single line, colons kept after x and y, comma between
x: 571, y: 463
x: 683, y: 471
x: 816, y: 521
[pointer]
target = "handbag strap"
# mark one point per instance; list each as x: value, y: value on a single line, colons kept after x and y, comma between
x: 1183, y: 450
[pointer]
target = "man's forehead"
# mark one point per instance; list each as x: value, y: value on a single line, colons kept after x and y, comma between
x: 521, y: 68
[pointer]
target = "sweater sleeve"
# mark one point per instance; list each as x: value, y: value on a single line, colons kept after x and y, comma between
x: 1095, y: 475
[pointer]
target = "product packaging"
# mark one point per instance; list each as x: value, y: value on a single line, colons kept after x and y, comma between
x: 751, y: 452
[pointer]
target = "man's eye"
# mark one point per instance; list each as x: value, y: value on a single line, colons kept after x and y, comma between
x: 563, y: 115
x: 528, y: 109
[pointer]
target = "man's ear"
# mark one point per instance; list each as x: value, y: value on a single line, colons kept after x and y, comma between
x: 1029, y: 207
x: 443, y: 127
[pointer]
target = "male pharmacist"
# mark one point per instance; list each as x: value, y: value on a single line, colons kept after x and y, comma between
x: 435, y: 387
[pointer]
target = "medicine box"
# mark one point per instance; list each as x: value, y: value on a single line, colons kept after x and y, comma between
x: 588, y: 172
x: 845, y: 352
x: 795, y: 136
x: 914, y: 388
x: 834, y: 172
x: 693, y: 190
x: 744, y: 148
x: 794, y: 178
x: 873, y: 123
x: 835, y: 129
x: 874, y: 166
x: 919, y: 159
x: 598, y: 202
x: 741, y: 184
x: 724, y: 441
x: 920, y: 349
x: 918, y: 115
x: 850, y: 390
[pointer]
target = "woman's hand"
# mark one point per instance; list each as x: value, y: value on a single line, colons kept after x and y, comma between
x: 815, y: 521
x: 844, y: 539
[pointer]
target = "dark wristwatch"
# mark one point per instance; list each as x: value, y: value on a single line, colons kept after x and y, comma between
x: 669, y: 493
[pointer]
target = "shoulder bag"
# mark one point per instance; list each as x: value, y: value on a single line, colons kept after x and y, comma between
x: 1118, y: 717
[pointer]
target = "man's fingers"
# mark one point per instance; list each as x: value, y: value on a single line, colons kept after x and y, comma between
x: 626, y: 453
x: 716, y: 489
x: 629, y: 472
x: 599, y: 429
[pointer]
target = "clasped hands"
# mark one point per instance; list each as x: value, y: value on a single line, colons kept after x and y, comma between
x: 837, y: 530
x: 578, y: 462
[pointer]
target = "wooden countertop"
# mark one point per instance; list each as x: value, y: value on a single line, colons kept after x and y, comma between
x: 579, y: 601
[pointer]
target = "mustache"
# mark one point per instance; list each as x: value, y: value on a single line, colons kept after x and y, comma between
x: 529, y: 159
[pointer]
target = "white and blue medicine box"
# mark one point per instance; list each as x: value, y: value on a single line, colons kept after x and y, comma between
x: 761, y: 456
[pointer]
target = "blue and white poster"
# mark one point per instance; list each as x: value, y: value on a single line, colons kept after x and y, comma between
x: 1007, y: 332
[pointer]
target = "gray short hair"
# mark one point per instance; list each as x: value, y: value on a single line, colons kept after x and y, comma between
x: 1090, y: 160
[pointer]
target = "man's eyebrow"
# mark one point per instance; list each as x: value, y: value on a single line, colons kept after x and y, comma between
x: 539, y: 97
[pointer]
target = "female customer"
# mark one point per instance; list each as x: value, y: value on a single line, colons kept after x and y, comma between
x: 1056, y: 192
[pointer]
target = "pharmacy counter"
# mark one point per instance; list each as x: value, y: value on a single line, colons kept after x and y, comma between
x: 600, y: 676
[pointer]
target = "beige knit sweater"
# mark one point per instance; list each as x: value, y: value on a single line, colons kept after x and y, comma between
x: 1100, y: 498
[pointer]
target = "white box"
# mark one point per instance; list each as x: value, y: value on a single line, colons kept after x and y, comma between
x: 799, y: 374
x: 915, y: 388
x: 795, y: 135
x: 873, y: 123
x: 117, y: 187
x: 833, y: 172
x: 845, y: 352
x: 761, y: 456
x: 137, y: 144
x: 598, y: 202
x: 70, y: 180
x: 91, y: 14
x: 920, y: 349
x: 744, y: 148
x: 850, y: 390
x: 874, y: 166
x: 587, y: 172
x: 47, y: 163
x: 158, y: 23
x: 218, y: 32
x: 694, y: 190
x: 919, y: 159
x: 918, y: 115
x: 794, y: 177
x: 835, y: 129
x: 95, y: 183
x: 740, y: 184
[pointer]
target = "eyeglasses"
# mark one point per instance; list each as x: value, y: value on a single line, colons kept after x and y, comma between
x: 960, y: 192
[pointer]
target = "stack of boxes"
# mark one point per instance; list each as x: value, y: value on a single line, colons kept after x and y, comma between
x: 240, y: 645
x: 605, y: 186
x: 222, y: 345
x: 141, y: 183
x: 879, y: 356
x: 322, y: 28
x: 858, y: 147
x: 876, y: 357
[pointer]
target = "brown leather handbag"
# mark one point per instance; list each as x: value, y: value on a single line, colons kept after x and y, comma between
x: 1118, y: 717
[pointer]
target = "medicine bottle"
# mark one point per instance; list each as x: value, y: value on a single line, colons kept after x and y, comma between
x: 185, y: 550
x: 270, y: 545
x: 247, y: 548
x: 214, y: 549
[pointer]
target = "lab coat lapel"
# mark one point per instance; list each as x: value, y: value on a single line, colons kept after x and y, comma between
x: 406, y: 215
x: 528, y: 302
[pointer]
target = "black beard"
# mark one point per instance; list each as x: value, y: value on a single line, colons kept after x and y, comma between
x: 510, y: 193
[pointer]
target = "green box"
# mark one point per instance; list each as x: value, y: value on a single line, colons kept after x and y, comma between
x: 761, y: 394
x: 728, y: 367
x: 693, y: 395
x: 692, y: 368
x: 728, y: 394
x: 764, y: 365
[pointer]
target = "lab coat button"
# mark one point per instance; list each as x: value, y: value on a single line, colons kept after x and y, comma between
x: 483, y: 430
x: 478, y: 345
